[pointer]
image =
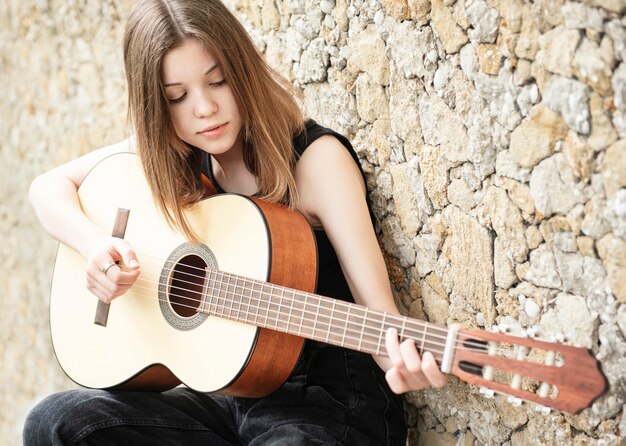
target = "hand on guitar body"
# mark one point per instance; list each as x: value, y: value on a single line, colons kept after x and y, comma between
x: 112, y: 267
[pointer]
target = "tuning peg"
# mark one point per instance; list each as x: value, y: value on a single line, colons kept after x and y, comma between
x: 487, y: 393
x: 514, y: 401
x: 532, y: 332
x: 543, y: 410
x: 557, y: 337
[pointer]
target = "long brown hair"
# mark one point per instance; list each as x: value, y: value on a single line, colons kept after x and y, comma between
x: 270, y: 115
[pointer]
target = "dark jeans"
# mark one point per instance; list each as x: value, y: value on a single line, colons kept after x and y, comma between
x: 334, y: 397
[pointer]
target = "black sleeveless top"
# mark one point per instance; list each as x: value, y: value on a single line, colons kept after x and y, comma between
x: 330, y: 282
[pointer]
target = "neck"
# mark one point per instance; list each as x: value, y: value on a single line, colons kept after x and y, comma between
x: 313, y: 317
x: 230, y: 171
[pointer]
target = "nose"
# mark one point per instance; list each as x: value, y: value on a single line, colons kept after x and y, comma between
x: 205, y: 105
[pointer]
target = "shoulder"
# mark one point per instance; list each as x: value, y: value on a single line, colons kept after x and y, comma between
x: 76, y: 169
x: 329, y: 154
x: 327, y: 178
x: 318, y: 146
x: 314, y: 131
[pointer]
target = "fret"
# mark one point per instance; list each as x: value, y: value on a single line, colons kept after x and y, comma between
x: 308, y: 323
x: 303, y: 317
x: 257, y: 306
x: 315, y: 319
x: 210, y: 292
x: 247, y: 301
x: 290, y: 312
x: 253, y: 307
x: 332, y: 313
x: 273, y: 305
x: 380, y: 336
x: 238, y: 293
x: 205, y: 291
x: 219, y: 296
x: 267, y: 309
x: 356, y: 322
x: 345, y: 327
x: 402, y: 329
x: 226, y: 301
x: 267, y: 304
x: 362, y: 329
x: 235, y: 295
x: 280, y: 304
x: 423, y: 339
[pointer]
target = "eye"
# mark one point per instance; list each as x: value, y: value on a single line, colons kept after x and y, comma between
x: 178, y: 99
x: 218, y: 83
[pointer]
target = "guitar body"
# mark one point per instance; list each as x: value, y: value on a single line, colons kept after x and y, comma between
x: 154, y: 337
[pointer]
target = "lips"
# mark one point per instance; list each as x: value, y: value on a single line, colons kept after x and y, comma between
x: 213, y: 132
x: 212, y: 128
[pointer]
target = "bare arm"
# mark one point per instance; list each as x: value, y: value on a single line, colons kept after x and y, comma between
x: 54, y: 198
x: 336, y: 200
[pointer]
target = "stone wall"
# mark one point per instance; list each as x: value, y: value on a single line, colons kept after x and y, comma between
x: 493, y: 134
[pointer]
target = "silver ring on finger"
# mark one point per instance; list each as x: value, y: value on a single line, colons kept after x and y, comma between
x: 107, y: 266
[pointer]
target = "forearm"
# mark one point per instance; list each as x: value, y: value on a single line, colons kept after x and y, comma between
x: 55, y: 201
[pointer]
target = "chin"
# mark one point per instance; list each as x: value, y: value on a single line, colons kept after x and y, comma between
x: 217, y: 148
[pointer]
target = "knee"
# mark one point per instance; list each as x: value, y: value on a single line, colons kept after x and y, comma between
x: 49, y: 422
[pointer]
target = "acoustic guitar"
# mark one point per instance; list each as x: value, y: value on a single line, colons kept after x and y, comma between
x: 231, y: 314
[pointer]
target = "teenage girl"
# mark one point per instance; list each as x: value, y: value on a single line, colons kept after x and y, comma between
x: 203, y: 101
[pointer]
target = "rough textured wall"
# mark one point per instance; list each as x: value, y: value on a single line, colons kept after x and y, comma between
x: 493, y: 133
x: 63, y: 93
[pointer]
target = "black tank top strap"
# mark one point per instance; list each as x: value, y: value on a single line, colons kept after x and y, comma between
x: 313, y: 131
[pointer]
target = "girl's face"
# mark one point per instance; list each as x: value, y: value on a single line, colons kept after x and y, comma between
x: 203, y: 109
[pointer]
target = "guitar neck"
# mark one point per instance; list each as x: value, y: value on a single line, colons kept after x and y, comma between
x: 312, y: 316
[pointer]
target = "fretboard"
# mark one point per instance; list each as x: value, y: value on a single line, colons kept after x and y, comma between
x: 312, y: 316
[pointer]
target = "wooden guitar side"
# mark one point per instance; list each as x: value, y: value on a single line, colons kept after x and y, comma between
x: 276, y: 353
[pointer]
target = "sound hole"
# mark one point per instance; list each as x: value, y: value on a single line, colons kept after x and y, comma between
x: 186, y: 285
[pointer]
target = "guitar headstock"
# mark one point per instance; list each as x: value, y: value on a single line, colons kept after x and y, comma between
x: 552, y: 375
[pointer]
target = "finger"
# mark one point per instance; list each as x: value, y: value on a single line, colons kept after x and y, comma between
x: 127, y: 254
x: 120, y: 277
x: 393, y: 347
x: 107, y: 282
x: 396, y: 381
x: 431, y: 371
x: 99, y: 291
x: 411, y: 357
x: 398, y: 377
x: 413, y: 372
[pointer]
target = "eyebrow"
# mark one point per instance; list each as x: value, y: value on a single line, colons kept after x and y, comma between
x: 172, y: 84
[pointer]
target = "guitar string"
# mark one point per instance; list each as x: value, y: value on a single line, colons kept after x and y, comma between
x: 466, y: 341
x: 398, y: 319
x: 371, y: 344
x: 480, y: 346
x: 463, y: 342
x: 307, y: 295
